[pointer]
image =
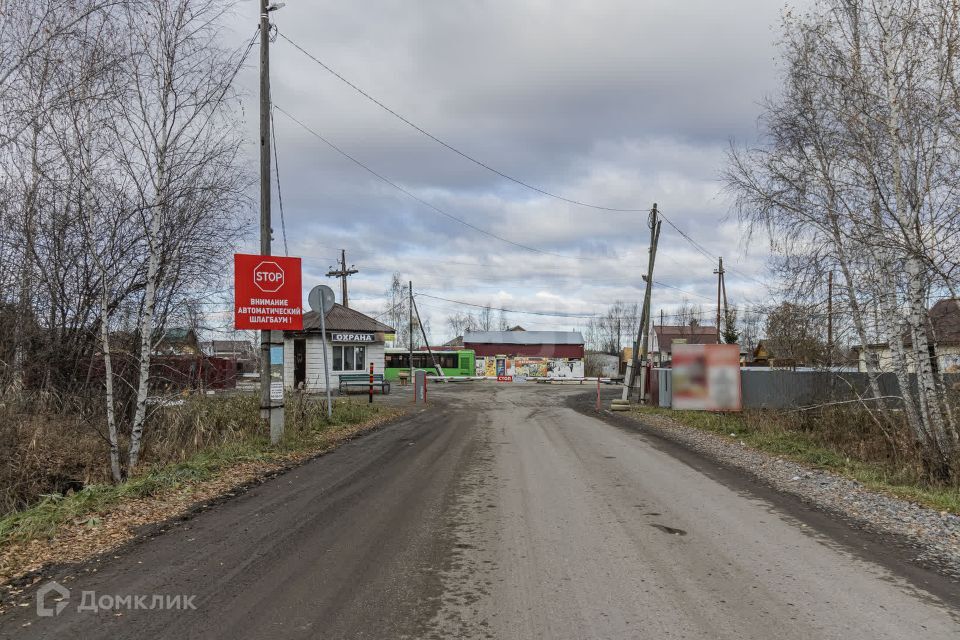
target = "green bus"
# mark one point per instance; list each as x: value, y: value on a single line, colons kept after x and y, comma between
x: 460, y: 362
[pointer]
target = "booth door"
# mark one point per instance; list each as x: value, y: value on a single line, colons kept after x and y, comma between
x: 299, y: 362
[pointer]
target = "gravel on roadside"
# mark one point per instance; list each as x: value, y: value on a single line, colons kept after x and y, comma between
x: 934, y: 535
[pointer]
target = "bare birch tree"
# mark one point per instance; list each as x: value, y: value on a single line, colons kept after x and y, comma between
x: 122, y: 191
x: 179, y: 152
x: 858, y: 173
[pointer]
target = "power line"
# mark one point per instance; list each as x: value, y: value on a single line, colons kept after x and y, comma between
x: 496, y: 171
x: 276, y: 168
x: 447, y: 145
x: 415, y: 197
x: 532, y: 313
x: 704, y: 251
x: 526, y: 321
x: 689, y: 293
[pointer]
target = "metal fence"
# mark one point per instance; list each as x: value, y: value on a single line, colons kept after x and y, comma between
x: 783, y: 389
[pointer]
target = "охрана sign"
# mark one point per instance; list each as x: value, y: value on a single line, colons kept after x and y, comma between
x: 351, y: 337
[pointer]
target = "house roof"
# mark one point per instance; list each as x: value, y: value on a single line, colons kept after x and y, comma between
x: 342, y: 318
x: 229, y: 346
x: 175, y: 334
x: 667, y: 334
x: 945, y: 321
x: 945, y: 318
x: 523, y: 337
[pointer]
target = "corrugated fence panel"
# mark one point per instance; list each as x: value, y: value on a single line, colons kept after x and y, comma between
x: 784, y: 389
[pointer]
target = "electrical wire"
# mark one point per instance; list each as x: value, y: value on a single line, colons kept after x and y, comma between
x: 490, y: 168
x: 705, y: 252
x: 550, y: 324
x: 447, y: 145
x: 532, y: 313
x: 689, y: 293
x: 696, y: 245
x: 276, y: 169
x: 415, y: 197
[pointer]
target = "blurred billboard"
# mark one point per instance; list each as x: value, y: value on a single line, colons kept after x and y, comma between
x: 706, y: 377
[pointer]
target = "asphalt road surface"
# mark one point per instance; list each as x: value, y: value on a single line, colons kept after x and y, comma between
x: 504, y: 512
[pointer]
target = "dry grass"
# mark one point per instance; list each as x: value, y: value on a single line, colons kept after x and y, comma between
x: 208, y: 446
x: 841, y: 439
x: 55, y: 450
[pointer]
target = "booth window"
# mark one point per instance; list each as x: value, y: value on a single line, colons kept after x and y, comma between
x: 348, y: 358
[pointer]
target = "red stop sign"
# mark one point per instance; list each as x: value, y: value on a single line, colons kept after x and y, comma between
x: 268, y: 276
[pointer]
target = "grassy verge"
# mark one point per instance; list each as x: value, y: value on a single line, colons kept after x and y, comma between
x: 308, y: 431
x: 838, y: 442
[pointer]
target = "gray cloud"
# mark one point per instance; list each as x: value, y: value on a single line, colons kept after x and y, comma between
x: 617, y: 103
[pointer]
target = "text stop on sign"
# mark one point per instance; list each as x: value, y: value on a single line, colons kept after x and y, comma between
x: 267, y: 293
x: 268, y: 276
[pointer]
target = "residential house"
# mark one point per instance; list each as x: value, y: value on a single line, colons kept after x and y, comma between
x: 176, y: 341
x: 945, y: 325
x: 240, y: 352
x: 665, y: 336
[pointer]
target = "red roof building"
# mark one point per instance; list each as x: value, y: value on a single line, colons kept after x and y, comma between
x: 666, y: 335
x: 543, y: 344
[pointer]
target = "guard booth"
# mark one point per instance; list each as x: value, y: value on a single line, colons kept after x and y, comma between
x: 354, y: 340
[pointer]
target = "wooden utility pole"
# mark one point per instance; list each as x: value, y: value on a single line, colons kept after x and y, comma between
x: 830, y: 319
x: 410, y: 342
x: 659, y: 347
x: 426, y: 341
x: 721, y: 289
x: 268, y: 412
x: 642, y: 350
x: 726, y: 309
x: 343, y: 273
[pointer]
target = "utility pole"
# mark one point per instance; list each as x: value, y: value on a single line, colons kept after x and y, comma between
x: 266, y: 404
x: 410, y: 342
x: 426, y: 341
x: 343, y: 273
x: 659, y: 346
x: 642, y: 351
x: 830, y: 319
x: 726, y: 309
x: 720, y: 287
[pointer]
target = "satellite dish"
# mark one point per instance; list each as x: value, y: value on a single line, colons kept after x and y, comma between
x: 321, y: 299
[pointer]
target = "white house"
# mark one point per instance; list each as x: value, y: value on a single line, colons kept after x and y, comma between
x: 945, y: 322
x: 354, y: 340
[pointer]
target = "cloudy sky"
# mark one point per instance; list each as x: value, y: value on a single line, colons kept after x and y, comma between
x: 615, y: 103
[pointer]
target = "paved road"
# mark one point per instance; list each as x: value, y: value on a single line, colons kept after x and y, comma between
x: 502, y: 512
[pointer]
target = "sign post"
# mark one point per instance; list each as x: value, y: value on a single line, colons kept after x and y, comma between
x: 321, y: 300
x: 268, y: 298
x: 420, y: 386
x: 371, y: 383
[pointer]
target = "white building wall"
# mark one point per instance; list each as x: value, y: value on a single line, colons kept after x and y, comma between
x: 315, y: 357
x: 949, y: 356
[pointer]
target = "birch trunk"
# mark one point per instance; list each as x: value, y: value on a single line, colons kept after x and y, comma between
x: 146, y: 344
x: 115, y: 471
x: 926, y: 382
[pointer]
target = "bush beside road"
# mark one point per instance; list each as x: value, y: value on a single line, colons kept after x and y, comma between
x: 208, y: 447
